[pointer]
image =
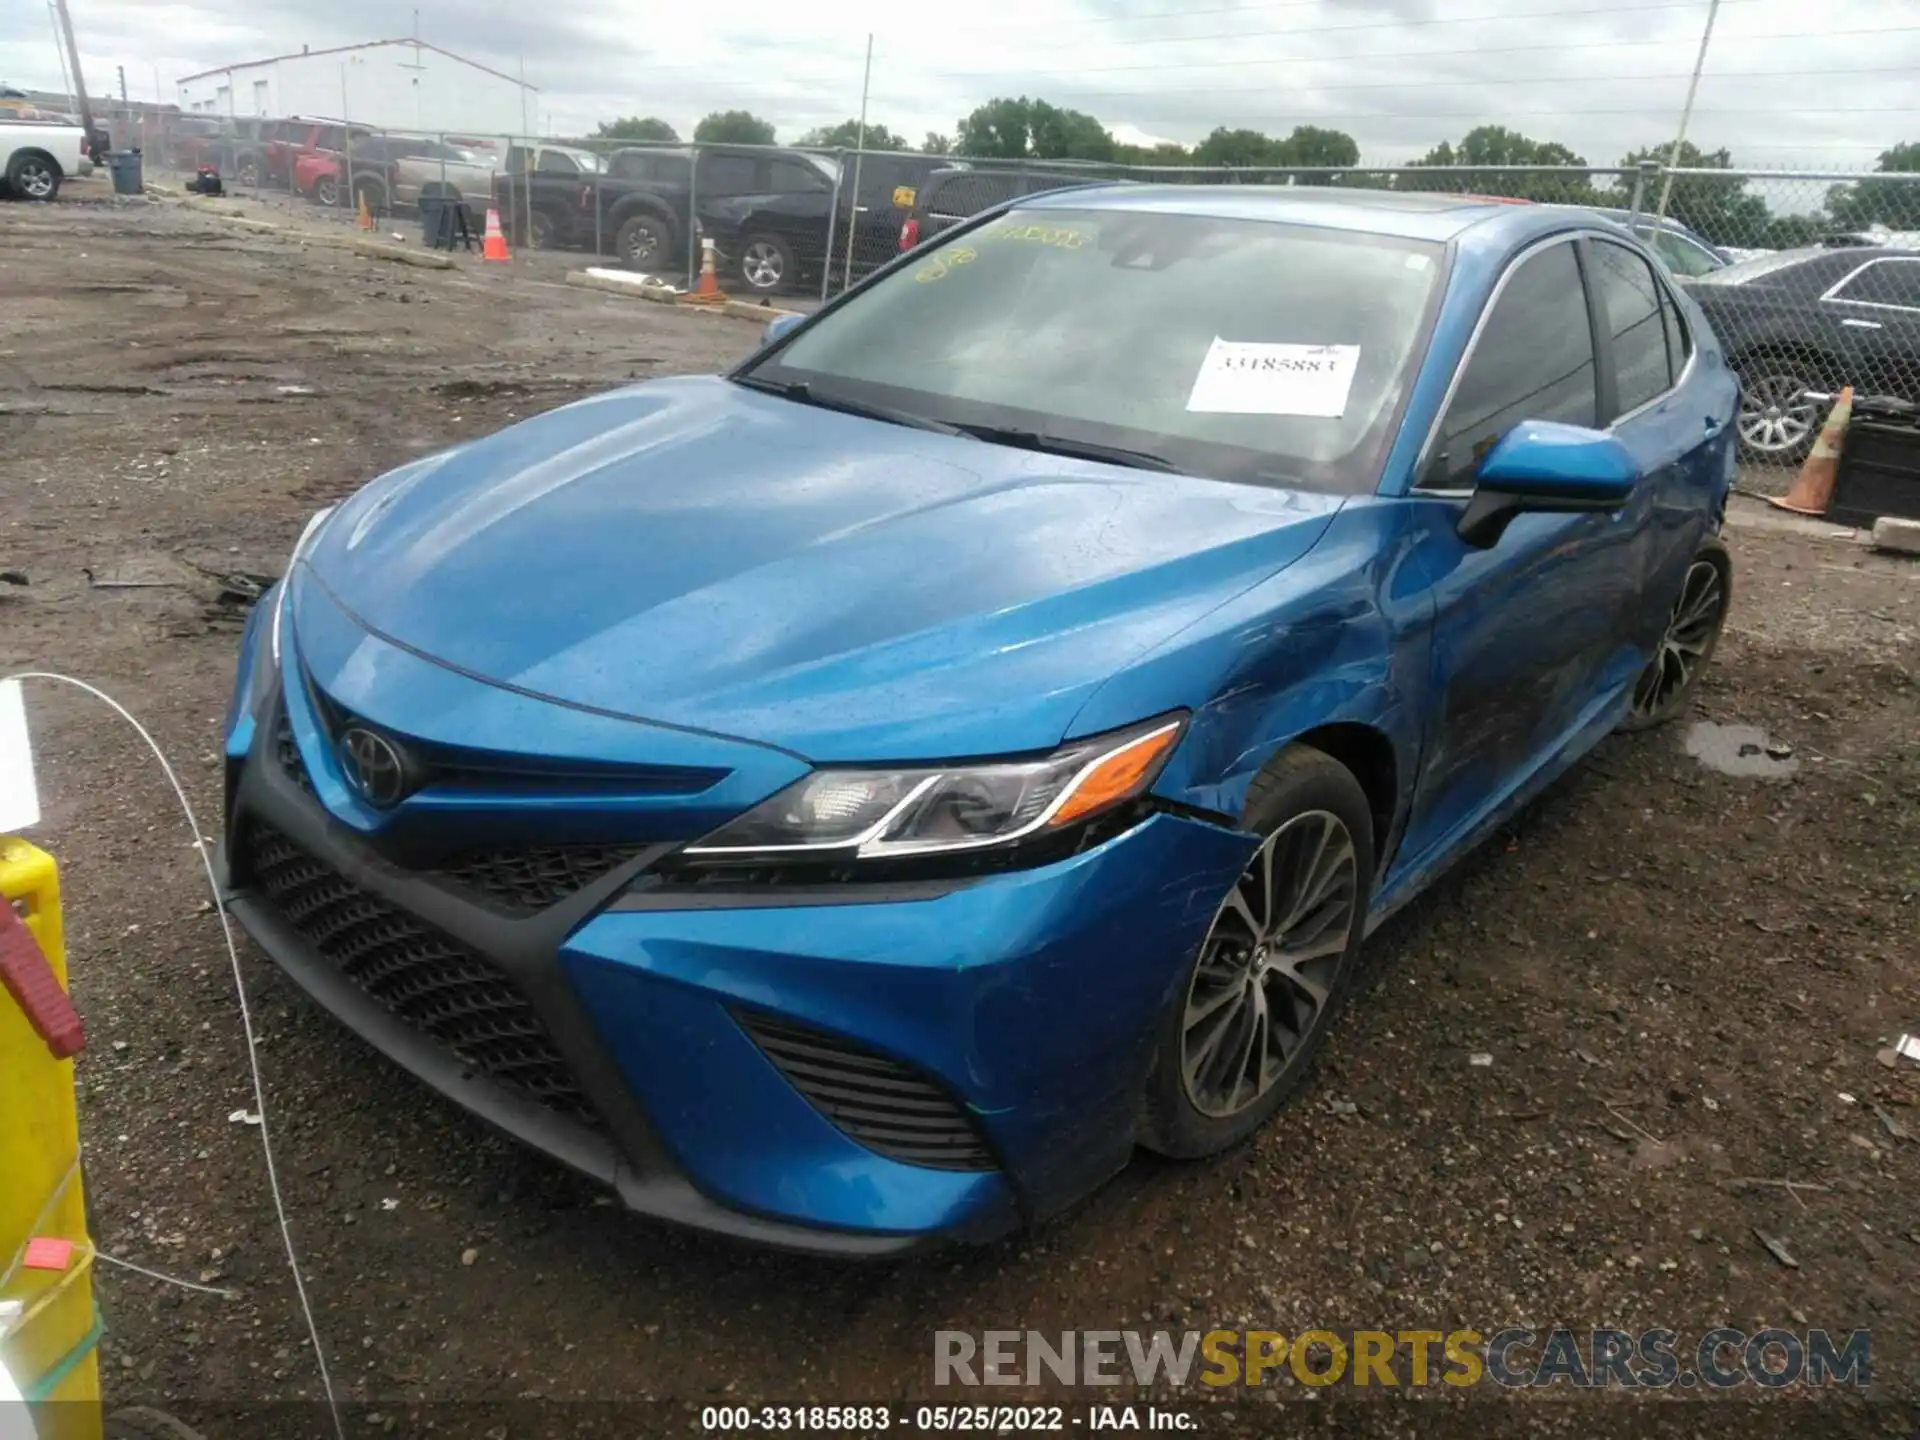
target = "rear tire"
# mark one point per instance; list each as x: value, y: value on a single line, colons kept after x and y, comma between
x: 33, y: 176
x: 1687, y: 644
x: 643, y: 243
x: 767, y: 265
x: 1258, y: 997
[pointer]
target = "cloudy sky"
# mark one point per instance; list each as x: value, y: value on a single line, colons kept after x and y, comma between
x: 1787, y: 82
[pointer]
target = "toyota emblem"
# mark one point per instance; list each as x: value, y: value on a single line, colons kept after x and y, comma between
x: 374, y: 766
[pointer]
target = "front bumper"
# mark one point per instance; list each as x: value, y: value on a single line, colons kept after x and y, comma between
x: 1024, y: 1003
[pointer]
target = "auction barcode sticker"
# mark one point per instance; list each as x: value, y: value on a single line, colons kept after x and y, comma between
x: 1247, y: 377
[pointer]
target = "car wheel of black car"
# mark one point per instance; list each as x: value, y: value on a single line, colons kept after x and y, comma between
x: 766, y: 263
x: 1276, y: 963
x: 542, y: 232
x: 1693, y: 630
x: 372, y: 192
x: 33, y: 177
x: 1777, y: 422
x: 642, y: 242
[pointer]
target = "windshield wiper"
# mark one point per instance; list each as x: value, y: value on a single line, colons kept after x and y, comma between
x: 1061, y: 445
x: 802, y: 391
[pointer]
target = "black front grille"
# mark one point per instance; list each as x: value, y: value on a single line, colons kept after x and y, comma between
x: 439, y: 987
x: 525, y: 882
x: 877, y: 1101
x: 287, y: 753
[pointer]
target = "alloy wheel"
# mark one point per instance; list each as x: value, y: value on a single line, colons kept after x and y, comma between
x: 327, y: 191
x: 1268, y: 966
x: 1691, y: 631
x: 763, y: 266
x: 1776, y: 417
x: 34, y: 179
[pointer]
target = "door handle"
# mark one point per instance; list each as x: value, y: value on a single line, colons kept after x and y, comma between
x: 1864, y: 324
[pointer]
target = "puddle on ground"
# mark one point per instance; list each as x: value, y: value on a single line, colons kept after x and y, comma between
x: 1744, y: 751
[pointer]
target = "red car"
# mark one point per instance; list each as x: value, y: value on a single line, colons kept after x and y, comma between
x: 283, y: 142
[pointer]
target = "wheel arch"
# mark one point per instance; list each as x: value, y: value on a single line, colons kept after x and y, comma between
x: 34, y: 152
x: 1369, y: 756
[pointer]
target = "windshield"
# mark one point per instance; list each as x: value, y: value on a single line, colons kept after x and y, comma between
x: 1237, y: 349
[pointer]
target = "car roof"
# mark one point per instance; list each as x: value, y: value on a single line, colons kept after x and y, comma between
x: 1402, y: 214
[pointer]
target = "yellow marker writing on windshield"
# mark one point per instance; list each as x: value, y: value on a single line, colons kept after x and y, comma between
x: 944, y: 263
x: 1057, y: 236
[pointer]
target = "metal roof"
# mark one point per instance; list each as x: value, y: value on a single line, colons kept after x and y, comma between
x: 343, y: 49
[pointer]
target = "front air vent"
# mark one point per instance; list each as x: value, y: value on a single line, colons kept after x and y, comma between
x: 879, y: 1102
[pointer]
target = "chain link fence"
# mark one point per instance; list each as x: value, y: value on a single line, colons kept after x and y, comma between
x: 1810, y: 279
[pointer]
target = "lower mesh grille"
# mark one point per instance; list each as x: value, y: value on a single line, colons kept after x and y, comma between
x: 524, y: 882
x: 877, y: 1101
x: 440, y: 988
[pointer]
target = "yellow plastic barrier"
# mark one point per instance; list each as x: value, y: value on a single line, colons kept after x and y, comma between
x: 50, y: 1347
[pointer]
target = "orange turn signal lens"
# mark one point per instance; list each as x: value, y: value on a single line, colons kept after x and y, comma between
x: 1116, y: 776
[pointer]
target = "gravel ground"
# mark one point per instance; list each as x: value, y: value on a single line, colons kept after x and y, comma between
x: 1682, y: 978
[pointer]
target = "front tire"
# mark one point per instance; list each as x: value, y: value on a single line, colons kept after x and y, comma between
x: 767, y: 265
x: 1277, y: 962
x: 326, y: 191
x: 1777, y: 423
x: 1694, y: 624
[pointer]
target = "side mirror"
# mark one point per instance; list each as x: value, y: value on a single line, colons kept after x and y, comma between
x: 1541, y: 466
x: 778, y: 326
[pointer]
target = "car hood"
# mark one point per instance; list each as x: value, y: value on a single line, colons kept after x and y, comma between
x: 693, y: 553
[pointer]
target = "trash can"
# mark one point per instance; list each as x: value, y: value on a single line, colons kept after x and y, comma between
x: 125, y: 165
x: 432, y: 209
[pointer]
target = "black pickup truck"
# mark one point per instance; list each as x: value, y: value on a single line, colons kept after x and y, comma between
x: 767, y: 209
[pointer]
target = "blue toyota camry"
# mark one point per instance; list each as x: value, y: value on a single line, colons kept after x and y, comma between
x: 858, y: 799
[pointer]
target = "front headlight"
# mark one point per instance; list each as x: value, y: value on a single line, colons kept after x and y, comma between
x: 901, y: 813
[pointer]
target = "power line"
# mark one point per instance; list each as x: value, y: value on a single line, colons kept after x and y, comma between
x: 1397, y: 24
x: 1851, y: 70
x: 1371, y: 56
x: 1081, y: 44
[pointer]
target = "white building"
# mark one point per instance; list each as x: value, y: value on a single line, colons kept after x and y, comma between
x: 387, y: 84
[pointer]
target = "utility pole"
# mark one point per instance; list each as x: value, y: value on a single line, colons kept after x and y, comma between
x: 859, y: 150
x: 1686, y: 113
x: 73, y: 59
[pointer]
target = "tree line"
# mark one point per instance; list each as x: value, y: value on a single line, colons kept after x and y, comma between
x: 1723, y: 211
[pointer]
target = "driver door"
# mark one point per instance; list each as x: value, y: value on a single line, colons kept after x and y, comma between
x: 1530, y: 634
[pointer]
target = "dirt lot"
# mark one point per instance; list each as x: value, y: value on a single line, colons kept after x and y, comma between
x: 1682, y: 978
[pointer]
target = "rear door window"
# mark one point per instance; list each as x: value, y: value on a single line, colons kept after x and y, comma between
x: 556, y: 162
x: 730, y: 175
x: 1629, y: 294
x: 1893, y: 283
x: 1533, y: 360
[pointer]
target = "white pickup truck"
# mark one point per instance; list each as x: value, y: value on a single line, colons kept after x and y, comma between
x: 35, y: 157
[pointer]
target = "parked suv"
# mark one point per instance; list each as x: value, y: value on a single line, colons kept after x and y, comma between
x: 955, y: 193
x: 772, y: 213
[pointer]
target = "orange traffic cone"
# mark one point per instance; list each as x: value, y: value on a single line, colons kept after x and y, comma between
x: 1812, y: 488
x: 707, y: 291
x: 365, y: 221
x: 495, y: 247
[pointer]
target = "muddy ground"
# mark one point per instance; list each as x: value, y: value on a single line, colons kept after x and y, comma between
x: 1682, y: 978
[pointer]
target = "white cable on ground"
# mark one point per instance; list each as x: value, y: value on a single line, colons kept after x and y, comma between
x: 246, y: 1017
x: 168, y: 1279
